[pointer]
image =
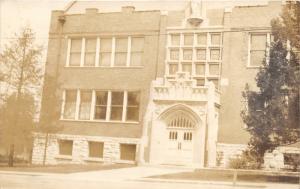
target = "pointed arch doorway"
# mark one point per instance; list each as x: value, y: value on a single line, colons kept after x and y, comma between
x: 180, y: 129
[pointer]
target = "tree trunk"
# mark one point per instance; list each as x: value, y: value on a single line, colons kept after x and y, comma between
x: 11, y: 155
x: 45, y: 149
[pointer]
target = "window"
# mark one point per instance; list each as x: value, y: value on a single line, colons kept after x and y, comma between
x: 105, y: 52
x: 65, y: 147
x: 96, y: 149
x: 75, y: 52
x: 187, y: 67
x: 173, y: 68
x: 127, y: 152
x: 116, y: 106
x: 214, y: 54
x: 200, y: 69
x: 216, y: 82
x: 101, y: 105
x: 258, y: 45
x: 215, y: 39
x: 187, y: 54
x: 70, y: 104
x: 121, y: 51
x: 201, y: 54
x: 201, y: 39
x: 85, y: 105
x: 213, y: 69
x: 200, y: 82
x: 188, y: 39
x: 133, y: 102
x: 137, y: 49
x: 174, y: 54
x: 173, y: 135
x: 187, y: 136
x: 90, y: 52
x: 175, y: 40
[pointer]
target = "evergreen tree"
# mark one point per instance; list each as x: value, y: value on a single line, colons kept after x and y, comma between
x: 272, y: 115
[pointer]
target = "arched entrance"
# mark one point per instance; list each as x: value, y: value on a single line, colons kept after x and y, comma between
x: 180, y: 138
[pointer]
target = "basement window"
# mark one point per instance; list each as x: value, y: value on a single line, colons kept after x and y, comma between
x: 96, y: 149
x: 65, y: 147
x: 127, y: 152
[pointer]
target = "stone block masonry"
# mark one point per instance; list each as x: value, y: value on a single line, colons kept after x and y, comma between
x: 80, y: 149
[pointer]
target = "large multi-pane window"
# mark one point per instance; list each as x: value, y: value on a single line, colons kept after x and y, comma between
x: 197, y: 53
x: 75, y: 52
x: 120, y: 51
x: 85, y: 105
x: 105, y: 51
x: 70, y: 104
x: 65, y: 147
x: 137, y: 49
x: 116, y: 105
x: 133, y: 102
x: 101, y: 105
x: 90, y: 52
x: 258, y: 48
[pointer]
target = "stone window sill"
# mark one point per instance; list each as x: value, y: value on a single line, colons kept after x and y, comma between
x: 126, y: 161
x: 95, y: 159
x: 68, y: 157
x: 101, y: 121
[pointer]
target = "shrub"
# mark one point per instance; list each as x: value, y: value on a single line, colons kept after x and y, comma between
x: 244, y: 161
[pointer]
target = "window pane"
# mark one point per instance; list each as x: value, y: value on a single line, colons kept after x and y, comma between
x: 257, y: 58
x: 116, y: 113
x: 215, y: 39
x: 214, y: 69
x: 215, y: 54
x: 187, y: 54
x: 127, y: 152
x: 200, y: 82
x: 90, y: 45
x: 70, y: 104
x: 137, y: 44
x: 96, y: 149
x: 258, y: 41
x: 132, y: 114
x: 85, y: 105
x: 65, y: 147
x: 101, y: 105
x: 201, y: 54
x: 133, y: 99
x: 173, y: 68
x: 101, y: 98
x: 188, y: 39
x: 187, y: 68
x: 117, y: 98
x: 175, y: 40
x: 75, y: 59
x: 174, y: 54
x: 201, y: 39
x: 121, y: 44
x: 105, y: 59
x: 200, y: 69
x: 89, y: 59
x: 76, y: 45
x: 120, y: 59
x: 105, y: 45
x: 136, y: 59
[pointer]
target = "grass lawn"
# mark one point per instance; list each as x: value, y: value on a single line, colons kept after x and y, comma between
x: 72, y: 168
x: 227, y: 175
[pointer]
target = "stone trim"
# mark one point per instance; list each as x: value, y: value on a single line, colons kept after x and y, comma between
x: 80, y: 151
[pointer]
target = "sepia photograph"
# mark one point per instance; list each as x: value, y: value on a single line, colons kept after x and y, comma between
x: 150, y: 94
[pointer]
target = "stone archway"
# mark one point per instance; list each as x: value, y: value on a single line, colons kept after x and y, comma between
x: 178, y: 137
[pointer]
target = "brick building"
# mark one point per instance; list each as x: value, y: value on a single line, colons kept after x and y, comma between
x: 153, y: 85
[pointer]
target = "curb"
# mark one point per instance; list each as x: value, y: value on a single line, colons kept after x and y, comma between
x: 30, y: 173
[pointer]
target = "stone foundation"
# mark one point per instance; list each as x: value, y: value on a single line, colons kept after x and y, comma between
x: 225, y: 152
x: 80, y: 150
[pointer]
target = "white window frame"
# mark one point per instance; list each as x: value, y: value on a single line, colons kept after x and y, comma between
x: 267, y: 50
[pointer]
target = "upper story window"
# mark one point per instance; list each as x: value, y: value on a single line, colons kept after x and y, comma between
x: 258, y: 48
x: 101, y: 105
x: 122, y: 51
x: 198, y: 53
